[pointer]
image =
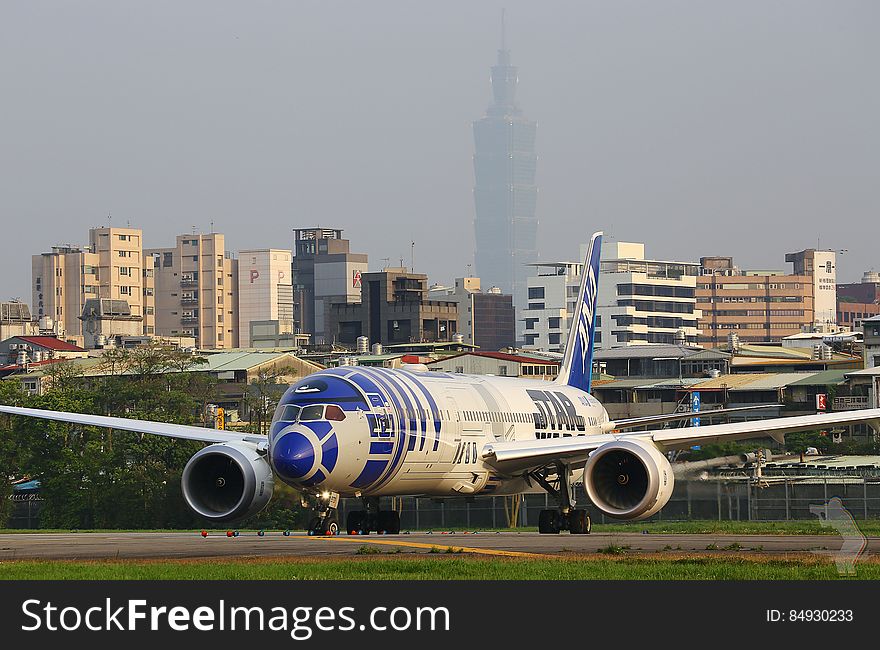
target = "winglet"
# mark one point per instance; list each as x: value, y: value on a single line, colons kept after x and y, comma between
x: 577, y: 365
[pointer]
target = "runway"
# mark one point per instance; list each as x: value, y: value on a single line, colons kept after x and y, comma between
x: 183, y: 545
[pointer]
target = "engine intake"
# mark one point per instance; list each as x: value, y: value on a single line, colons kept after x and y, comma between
x: 628, y: 479
x: 228, y: 481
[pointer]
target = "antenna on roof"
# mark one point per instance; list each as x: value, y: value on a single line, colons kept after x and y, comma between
x: 412, y: 255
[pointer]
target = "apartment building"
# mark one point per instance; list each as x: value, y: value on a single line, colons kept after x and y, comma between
x: 111, y: 267
x: 485, y: 319
x: 639, y: 300
x: 265, y: 289
x: 196, y: 291
x: 761, y: 305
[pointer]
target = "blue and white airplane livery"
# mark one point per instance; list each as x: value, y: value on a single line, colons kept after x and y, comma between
x: 365, y: 432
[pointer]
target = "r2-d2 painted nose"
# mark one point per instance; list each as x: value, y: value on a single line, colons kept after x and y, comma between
x: 305, y: 453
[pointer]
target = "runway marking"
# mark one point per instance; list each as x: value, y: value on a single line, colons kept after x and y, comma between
x: 463, y: 549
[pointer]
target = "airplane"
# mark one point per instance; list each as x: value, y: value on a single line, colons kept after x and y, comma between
x: 355, y: 431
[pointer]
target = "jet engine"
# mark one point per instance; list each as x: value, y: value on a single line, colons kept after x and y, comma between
x: 628, y: 479
x: 229, y: 481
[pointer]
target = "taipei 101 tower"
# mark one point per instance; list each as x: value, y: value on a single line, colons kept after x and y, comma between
x: 505, y: 192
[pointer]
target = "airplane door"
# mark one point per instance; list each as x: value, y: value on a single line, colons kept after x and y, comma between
x: 451, y: 434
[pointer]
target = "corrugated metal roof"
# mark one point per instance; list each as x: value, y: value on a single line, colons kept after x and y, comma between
x: 825, y: 378
x: 729, y: 381
x: 774, y: 381
x: 650, y: 351
x: 233, y: 361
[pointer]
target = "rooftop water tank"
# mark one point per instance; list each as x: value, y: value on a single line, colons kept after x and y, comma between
x: 363, y: 344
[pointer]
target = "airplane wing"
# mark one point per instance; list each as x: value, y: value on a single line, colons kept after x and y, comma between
x: 522, y: 455
x: 648, y: 420
x: 200, y: 434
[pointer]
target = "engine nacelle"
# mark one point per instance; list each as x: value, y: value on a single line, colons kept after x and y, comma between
x: 628, y: 479
x: 227, y: 481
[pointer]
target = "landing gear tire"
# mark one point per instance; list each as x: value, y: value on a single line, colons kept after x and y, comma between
x: 321, y: 526
x: 579, y: 522
x: 354, y: 522
x: 389, y: 522
x: 549, y: 522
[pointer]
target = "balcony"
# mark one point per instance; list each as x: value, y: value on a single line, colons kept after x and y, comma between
x: 189, y: 300
x: 188, y: 281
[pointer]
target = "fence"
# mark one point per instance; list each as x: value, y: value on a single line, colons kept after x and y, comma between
x: 740, y: 500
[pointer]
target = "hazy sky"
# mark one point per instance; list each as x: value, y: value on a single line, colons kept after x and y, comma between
x: 746, y: 128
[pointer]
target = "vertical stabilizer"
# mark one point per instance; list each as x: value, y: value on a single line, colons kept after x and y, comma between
x: 577, y: 365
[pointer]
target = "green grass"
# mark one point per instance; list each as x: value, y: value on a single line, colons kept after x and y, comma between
x: 442, y: 567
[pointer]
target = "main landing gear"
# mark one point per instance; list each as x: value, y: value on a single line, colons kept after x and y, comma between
x: 566, y: 516
x: 325, y: 518
x: 371, y: 518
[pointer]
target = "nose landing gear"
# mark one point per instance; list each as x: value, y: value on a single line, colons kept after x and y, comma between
x: 325, y: 519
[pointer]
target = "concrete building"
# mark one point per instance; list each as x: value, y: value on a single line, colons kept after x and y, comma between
x: 871, y: 328
x: 762, y: 305
x: 393, y: 309
x: 500, y: 364
x: 25, y: 350
x: 867, y: 291
x: 325, y: 272
x: 505, y: 193
x: 15, y: 320
x: 196, y: 291
x: 265, y: 289
x: 486, y: 320
x: 644, y: 301
x: 858, y: 301
x: 552, y: 293
x: 639, y: 302
x: 111, y: 267
x: 104, y: 319
x: 276, y: 334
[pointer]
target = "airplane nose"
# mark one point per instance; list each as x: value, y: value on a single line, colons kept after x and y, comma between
x: 294, y: 455
x: 305, y: 454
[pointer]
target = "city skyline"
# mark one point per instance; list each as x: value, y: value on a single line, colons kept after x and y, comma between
x: 187, y: 123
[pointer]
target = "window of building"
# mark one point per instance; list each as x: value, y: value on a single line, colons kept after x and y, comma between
x: 536, y: 293
x: 554, y: 339
x: 530, y: 339
x: 502, y: 371
x: 554, y: 322
x: 125, y: 291
x: 536, y: 305
x: 530, y: 323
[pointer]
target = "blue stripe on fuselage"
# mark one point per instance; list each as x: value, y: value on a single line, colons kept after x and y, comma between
x: 435, y: 412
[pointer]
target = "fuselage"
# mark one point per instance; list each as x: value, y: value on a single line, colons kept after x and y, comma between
x: 361, y: 431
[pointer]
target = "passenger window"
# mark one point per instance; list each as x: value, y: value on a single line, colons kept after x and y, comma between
x: 334, y: 413
x: 308, y: 413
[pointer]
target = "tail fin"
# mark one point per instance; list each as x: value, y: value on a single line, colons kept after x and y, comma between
x: 577, y: 365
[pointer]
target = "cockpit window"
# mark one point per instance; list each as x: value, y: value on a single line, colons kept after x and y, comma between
x: 315, y: 412
x: 334, y: 413
x: 288, y: 413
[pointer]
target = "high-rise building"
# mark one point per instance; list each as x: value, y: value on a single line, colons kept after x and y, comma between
x: 505, y: 192
x: 645, y: 301
x: 325, y: 272
x: 196, y: 291
x: 761, y: 305
x: 110, y: 267
x: 485, y: 319
x: 639, y: 301
x: 394, y: 309
x: 552, y: 293
x: 265, y: 289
